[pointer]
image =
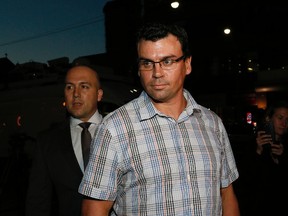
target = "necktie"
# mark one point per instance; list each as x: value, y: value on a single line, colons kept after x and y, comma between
x: 85, y: 141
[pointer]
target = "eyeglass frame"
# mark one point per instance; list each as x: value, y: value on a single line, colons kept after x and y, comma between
x: 183, y: 57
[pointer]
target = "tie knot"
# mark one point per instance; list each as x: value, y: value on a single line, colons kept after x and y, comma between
x: 85, y: 125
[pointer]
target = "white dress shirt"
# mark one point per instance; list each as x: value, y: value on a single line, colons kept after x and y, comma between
x: 76, y: 134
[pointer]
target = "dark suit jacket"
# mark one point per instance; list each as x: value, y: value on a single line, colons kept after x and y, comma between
x: 55, y: 175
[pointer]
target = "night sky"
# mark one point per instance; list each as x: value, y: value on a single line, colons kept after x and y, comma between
x: 39, y: 31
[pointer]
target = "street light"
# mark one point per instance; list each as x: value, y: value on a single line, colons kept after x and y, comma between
x: 175, y: 4
x: 227, y: 31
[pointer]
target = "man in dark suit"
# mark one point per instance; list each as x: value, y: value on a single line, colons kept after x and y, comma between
x: 58, y: 165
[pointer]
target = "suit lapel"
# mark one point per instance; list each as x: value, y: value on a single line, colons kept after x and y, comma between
x: 68, y: 151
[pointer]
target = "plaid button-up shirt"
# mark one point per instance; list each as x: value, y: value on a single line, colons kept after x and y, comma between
x: 151, y: 164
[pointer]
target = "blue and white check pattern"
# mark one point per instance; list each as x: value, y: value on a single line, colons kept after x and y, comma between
x: 151, y: 164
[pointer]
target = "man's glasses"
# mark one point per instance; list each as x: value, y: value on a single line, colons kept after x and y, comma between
x: 165, y: 64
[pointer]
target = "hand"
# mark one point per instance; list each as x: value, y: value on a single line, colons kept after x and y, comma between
x: 262, y: 139
x: 277, y: 149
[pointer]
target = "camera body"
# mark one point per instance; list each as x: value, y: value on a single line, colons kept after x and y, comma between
x: 269, y: 129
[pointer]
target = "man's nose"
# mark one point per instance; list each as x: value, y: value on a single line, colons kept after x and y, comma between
x: 76, y: 92
x: 157, y: 70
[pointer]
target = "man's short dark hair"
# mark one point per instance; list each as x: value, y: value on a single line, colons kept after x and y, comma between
x: 156, y: 31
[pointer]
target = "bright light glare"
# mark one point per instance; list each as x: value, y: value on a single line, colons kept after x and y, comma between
x: 175, y: 4
x: 227, y: 31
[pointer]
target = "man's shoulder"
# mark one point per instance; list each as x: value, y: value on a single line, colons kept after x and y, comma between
x: 207, y: 111
x: 54, y: 128
x: 127, y: 109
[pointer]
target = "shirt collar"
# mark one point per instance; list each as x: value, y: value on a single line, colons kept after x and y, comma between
x: 147, y: 109
x: 96, y: 118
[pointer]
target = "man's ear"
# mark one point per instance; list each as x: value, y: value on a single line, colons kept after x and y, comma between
x: 100, y: 94
x: 188, y: 65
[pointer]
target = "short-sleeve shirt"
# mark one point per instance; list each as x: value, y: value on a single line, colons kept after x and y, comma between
x: 151, y: 164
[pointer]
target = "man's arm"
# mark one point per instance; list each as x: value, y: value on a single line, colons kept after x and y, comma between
x: 229, y: 202
x: 94, y: 207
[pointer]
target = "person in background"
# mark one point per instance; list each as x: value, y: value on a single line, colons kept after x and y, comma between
x: 272, y: 161
x: 161, y: 153
x: 58, y: 166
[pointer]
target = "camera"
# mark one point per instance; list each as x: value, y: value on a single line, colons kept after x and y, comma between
x: 269, y: 129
